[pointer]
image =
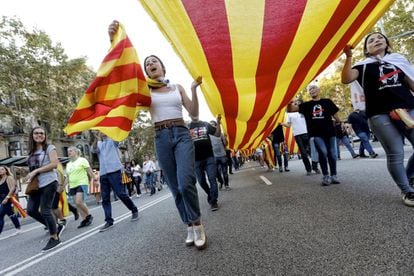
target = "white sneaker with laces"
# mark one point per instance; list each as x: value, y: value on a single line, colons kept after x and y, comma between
x: 190, y: 236
x: 200, y: 238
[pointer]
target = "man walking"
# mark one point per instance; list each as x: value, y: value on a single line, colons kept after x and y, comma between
x: 318, y: 115
x: 110, y: 167
x: 204, y: 157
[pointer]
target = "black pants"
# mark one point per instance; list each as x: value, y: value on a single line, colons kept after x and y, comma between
x: 43, y: 199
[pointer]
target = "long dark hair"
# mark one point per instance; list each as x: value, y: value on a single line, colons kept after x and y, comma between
x: 150, y: 56
x: 387, y: 50
x: 32, y: 143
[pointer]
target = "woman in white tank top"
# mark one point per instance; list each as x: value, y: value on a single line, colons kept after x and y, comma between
x: 175, y: 149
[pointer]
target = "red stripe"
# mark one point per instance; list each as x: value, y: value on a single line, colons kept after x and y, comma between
x: 119, y: 122
x: 338, y: 18
x: 102, y: 108
x: 118, y: 74
x: 118, y: 50
x: 276, y: 40
x: 390, y: 74
x: 214, y: 37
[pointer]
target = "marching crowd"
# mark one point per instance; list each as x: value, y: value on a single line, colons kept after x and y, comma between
x: 197, y: 152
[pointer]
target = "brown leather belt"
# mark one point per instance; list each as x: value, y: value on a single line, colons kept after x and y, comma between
x: 169, y: 123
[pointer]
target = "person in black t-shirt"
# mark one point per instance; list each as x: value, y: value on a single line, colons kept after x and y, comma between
x: 318, y: 114
x: 359, y: 121
x: 278, y: 138
x: 387, y: 81
x: 342, y: 136
x: 205, y: 162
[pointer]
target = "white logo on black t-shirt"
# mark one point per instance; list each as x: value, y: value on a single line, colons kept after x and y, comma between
x: 388, y: 76
x: 317, y: 112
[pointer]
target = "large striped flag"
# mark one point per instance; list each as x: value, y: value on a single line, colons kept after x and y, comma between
x: 255, y: 55
x: 113, y: 99
x: 290, y: 141
x: 268, y: 152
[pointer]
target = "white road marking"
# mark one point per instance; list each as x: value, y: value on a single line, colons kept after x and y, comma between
x: 21, y: 266
x: 265, y: 180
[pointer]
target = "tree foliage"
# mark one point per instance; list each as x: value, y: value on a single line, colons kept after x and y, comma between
x: 39, y: 84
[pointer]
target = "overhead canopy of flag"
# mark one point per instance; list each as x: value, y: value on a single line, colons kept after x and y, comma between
x: 255, y: 55
x: 119, y: 90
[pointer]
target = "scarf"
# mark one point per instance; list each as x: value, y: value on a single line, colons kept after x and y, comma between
x: 152, y: 83
x: 394, y: 58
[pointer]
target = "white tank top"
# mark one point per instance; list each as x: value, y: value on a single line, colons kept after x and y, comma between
x: 166, y: 105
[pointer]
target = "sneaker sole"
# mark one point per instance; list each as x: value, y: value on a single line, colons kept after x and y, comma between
x: 189, y: 243
x: 47, y: 250
x: 106, y: 229
x: 201, y: 247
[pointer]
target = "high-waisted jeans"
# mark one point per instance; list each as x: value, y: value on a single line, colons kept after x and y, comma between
x: 175, y: 152
x: 391, y: 136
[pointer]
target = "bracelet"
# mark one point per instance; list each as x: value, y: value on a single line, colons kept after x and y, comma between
x: 8, y: 196
x: 348, y: 56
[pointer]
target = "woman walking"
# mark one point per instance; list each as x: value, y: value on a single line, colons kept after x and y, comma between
x: 42, y: 162
x: 386, y: 79
x: 175, y: 149
x: 7, y: 189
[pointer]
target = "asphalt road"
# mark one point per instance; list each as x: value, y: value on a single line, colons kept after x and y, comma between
x: 270, y: 223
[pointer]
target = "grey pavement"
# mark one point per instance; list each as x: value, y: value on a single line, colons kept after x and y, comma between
x: 289, y: 226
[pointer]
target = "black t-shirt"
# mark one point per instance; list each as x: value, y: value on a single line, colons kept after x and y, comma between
x: 318, y: 116
x: 278, y: 136
x: 340, y: 133
x: 199, y: 132
x: 359, y: 121
x: 384, y: 88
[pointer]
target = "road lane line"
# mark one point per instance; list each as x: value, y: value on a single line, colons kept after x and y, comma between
x: 265, y: 180
x: 41, y: 226
x: 23, y: 265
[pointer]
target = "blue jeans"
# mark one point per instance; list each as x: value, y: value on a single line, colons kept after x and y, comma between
x: 175, y: 152
x: 390, y: 137
x: 314, y: 152
x: 137, y: 182
x: 114, y: 181
x: 364, y: 143
x: 326, y: 148
x: 6, y: 209
x: 149, y: 181
x: 203, y: 167
x: 347, y: 144
x: 278, y: 156
x: 221, y: 163
x: 42, y: 200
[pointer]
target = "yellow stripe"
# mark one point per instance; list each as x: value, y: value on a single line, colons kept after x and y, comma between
x: 128, y: 56
x: 109, y: 92
x: 186, y: 44
x: 246, y: 46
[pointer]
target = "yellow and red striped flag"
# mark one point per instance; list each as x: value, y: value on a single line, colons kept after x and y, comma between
x: 113, y: 99
x: 268, y: 152
x: 290, y: 141
x: 255, y: 55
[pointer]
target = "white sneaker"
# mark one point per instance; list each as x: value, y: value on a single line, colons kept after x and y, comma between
x: 190, y: 236
x: 18, y: 231
x: 200, y: 238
